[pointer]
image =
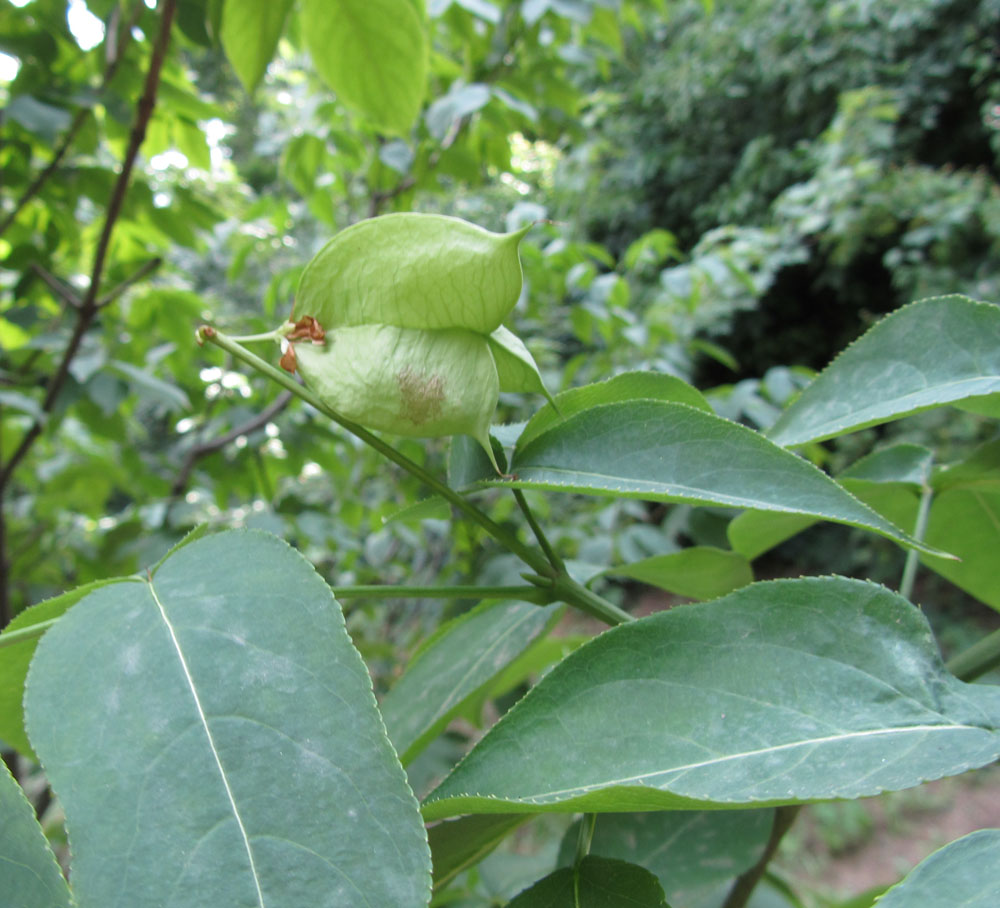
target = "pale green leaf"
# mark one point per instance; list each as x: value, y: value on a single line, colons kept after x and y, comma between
x: 250, y: 32
x: 691, y: 852
x: 413, y: 271
x: 373, y: 54
x: 663, y: 451
x: 29, y: 874
x: 967, y: 520
x: 625, y: 387
x: 15, y: 400
x: 460, y: 658
x: 15, y: 659
x: 693, y: 707
x: 214, y: 740
x: 907, y: 463
x: 699, y: 572
x: 964, y: 874
x: 151, y: 388
x: 594, y: 883
x: 516, y: 366
x: 933, y: 352
x: 754, y: 532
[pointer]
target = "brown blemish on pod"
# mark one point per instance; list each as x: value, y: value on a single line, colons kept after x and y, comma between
x: 423, y: 396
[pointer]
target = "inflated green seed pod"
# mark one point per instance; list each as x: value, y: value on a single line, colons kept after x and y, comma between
x: 411, y: 306
x: 413, y: 271
x: 406, y: 381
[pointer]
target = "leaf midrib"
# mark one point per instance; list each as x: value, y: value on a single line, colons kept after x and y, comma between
x: 211, y: 742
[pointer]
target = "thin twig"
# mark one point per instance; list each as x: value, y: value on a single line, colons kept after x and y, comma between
x: 536, y: 528
x: 63, y: 291
x: 142, y: 272
x: 746, y: 882
x: 204, y: 448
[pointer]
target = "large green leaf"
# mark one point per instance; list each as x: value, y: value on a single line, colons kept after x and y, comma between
x: 964, y: 874
x: 780, y: 693
x: 250, y: 33
x: 15, y: 659
x: 700, y: 572
x: 458, y: 660
x: 625, y: 387
x: 214, y: 740
x: 594, y: 883
x: 691, y: 852
x: 373, y: 54
x: 933, y: 352
x: 29, y: 874
x: 672, y: 452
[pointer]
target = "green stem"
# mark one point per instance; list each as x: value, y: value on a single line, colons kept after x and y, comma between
x: 534, y: 594
x: 529, y: 556
x: 566, y: 589
x: 586, y: 836
x: 977, y: 660
x: 10, y: 638
x: 912, y: 556
x: 550, y: 553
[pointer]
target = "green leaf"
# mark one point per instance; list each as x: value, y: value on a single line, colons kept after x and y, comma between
x: 964, y: 874
x: 516, y: 367
x: 151, y: 388
x: 250, y: 33
x: 452, y: 665
x: 213, y: 737
x: 754, y: 532
x: 699, y: 572
x: 410, y: 270
x: 625, y: 387
x: 594, y: 883
x: 933, y: 352
x: 18, y: 401
x: 457, y: 844
x: 29, y: 874
x: 672, y: 452
x: 907, y: 463
x: 15, y: 659
x: 373, y: 54
x: 691, y: 852
x: 693, y: 707
x: 968, y: 521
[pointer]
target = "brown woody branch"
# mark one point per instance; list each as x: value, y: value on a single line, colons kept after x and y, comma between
x: 204, y: 448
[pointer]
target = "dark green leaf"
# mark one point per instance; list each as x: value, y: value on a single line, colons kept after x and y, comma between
x: 594, y: 883
x: 695, y: 706
x: 206, y: 702
x: 672, y: 452
x: 691, y: 852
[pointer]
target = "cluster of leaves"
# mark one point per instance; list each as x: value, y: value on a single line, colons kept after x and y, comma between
x: 217, y: 664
